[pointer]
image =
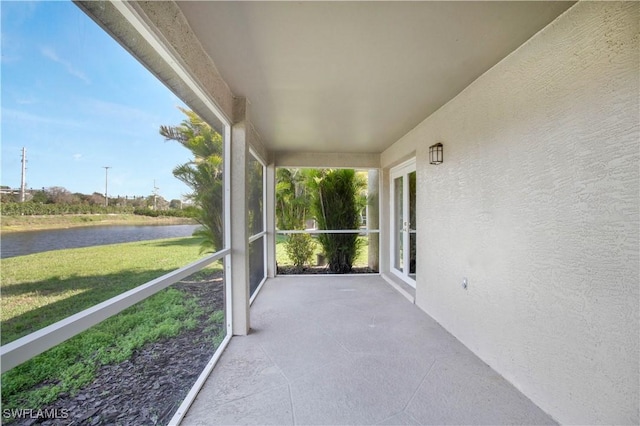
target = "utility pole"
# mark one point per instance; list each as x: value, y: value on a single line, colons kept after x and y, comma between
x: 155, y: 195
x: 23, y: 179
x: 106, y: 185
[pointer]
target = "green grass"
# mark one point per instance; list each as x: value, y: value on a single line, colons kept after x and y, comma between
x: 72, y: 364
x: 282, y: 259
x: 40, y: 289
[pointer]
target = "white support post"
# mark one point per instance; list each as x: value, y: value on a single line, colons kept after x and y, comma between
x: 239, y: 220
x: 373, y: 218
x: 383, y: 220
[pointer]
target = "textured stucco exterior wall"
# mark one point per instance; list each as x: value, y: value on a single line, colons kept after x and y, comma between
x: 537, y: 204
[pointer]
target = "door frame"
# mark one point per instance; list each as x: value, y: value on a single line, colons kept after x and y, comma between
x: 402, y: 170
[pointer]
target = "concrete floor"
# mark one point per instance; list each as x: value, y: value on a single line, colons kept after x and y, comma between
x: 351, y: 350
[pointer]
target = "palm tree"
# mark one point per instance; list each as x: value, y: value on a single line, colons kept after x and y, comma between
x: 203, y: 174
x: 292, y: 198
x: 292, y: 209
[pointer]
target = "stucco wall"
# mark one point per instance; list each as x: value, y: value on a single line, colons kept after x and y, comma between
x: 537, y: 204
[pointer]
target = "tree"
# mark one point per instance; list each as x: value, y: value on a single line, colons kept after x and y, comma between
x: 292, y: 209
x: 203, y: 174
x: 59, y: 195
x: 292, y: 198
x: 96, y: 199
x: 138, y: 202
x: 336, y: 204
x: 40, y: 197
x: 175, y: 204
x: 6, y: 196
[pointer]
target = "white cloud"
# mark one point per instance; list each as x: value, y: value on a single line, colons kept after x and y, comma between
x: 77, y: 157
x: 48, y: 52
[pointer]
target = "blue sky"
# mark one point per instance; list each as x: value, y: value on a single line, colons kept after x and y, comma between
x: 77, y: 101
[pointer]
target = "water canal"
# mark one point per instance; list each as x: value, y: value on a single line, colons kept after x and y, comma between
x: 23, y: 243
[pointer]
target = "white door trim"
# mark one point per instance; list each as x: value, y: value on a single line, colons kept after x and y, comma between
x: 401, y: 170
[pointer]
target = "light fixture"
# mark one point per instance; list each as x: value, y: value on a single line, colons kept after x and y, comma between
x: 435, y: 154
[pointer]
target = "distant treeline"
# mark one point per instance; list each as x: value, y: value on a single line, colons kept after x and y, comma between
x: 189, y: 211
x: 30, y: 208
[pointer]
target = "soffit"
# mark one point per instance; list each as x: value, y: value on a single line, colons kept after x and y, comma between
x: 354, y: 77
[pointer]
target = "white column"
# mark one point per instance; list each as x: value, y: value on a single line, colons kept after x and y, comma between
x: 239, y: 220
x: 373, y: 218
x: 384, y: 214
x: 270, y: 206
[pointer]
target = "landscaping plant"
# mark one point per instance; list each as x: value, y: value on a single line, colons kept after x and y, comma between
x: 336, y: 203
x: 292, y: 210
x: 203, y: 174
x: 299, y: 248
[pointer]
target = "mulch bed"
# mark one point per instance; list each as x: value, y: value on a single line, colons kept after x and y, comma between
x: 324, y: 269
x: 149, y: 387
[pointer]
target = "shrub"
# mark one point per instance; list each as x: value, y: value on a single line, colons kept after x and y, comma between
x: 31, y: 208
x: 164, y: 213
x: 299, y: 248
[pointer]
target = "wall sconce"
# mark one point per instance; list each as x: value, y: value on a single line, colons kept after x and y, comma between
x: 435, y: 154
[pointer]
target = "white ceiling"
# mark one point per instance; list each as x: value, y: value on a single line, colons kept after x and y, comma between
x: 354, y: 77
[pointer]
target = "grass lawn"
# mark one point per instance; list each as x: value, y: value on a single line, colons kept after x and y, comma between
x: 40, y: 289
x: 282, y: 259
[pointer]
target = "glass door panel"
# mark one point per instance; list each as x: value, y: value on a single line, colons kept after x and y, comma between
x: 403, y: 217
x: 412, y: 225
x: 398, y: 223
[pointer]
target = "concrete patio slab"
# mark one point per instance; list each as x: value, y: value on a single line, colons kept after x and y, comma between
x: 352, y: 350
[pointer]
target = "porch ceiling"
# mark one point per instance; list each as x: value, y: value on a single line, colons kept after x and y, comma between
x: 354, y: 77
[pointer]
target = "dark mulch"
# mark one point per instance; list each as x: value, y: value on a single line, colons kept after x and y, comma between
x: 313, y: 270
x: 149, y: 387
